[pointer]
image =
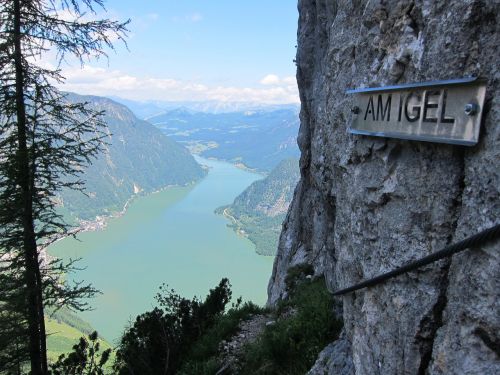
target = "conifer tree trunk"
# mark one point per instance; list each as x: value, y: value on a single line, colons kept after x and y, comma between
x: 35, y: 169
x: 41, y: 317
x: 35, y: 310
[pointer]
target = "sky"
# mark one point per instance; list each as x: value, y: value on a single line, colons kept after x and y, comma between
x: 217, y: 50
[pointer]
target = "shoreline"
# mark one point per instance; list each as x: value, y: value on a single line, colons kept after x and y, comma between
x: 238, y: 229
x: 100, y: 222
x: 237, y: 164
x: 234, y: 223
x: 160, y: 227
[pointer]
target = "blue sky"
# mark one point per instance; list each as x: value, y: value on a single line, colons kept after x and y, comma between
x: 200, y: 50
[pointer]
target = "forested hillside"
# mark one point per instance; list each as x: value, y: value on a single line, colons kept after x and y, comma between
x: 259, y: 211
x: 258, y: 139
x: 137, y: 159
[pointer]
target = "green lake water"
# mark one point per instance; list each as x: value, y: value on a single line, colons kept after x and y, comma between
x: 171, y: 237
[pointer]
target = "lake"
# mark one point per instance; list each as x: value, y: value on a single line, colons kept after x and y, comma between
x: 172, y: 237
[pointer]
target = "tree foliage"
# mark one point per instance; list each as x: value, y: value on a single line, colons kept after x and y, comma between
x: 45, y: 142
x: 159, y: 340
x: 84, y: 359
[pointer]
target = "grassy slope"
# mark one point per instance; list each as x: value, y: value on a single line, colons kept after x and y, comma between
x: 62, y: 337
x: 64, y: 330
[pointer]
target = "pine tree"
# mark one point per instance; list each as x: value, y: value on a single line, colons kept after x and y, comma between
x: 45, y: 142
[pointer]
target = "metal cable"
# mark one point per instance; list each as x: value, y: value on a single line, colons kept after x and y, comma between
x: 478, y: 239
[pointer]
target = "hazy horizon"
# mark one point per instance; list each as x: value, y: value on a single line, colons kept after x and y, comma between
x: 193, y: 51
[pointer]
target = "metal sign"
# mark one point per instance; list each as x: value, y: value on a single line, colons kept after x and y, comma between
x: 440, y: 111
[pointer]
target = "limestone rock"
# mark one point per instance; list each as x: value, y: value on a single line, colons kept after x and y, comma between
x: 335, y: 359
x: 231, y: 351
x: 366, y: 205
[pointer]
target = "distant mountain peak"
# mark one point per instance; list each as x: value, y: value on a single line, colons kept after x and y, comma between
x: 146, y: 109
x: 138, y: 159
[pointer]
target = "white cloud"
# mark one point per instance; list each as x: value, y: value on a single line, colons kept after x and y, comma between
x: 290, y: 80
x: 66, y: 15
x: 274, y: 80
x: 270, y: 79
x: 105, y: 82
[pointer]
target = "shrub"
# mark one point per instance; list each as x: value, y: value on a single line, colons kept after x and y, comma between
x: 296, y: 275
x: 292, y: 344
x: 203, y: 357
x: 85, y: 359
x: 183, y: 336
x: 159, y: 341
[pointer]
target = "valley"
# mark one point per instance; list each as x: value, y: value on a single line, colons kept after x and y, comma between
x: 258, y: 139
x: 271, y: 188
x: 151, y: 208
x: 173, y: 237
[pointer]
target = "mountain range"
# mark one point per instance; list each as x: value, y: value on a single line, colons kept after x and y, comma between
x: 149, y: 108
x: 138, y: 158
x: 257, y: 139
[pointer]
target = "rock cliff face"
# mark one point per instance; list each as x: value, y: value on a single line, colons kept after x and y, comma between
x: 366, y: 205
